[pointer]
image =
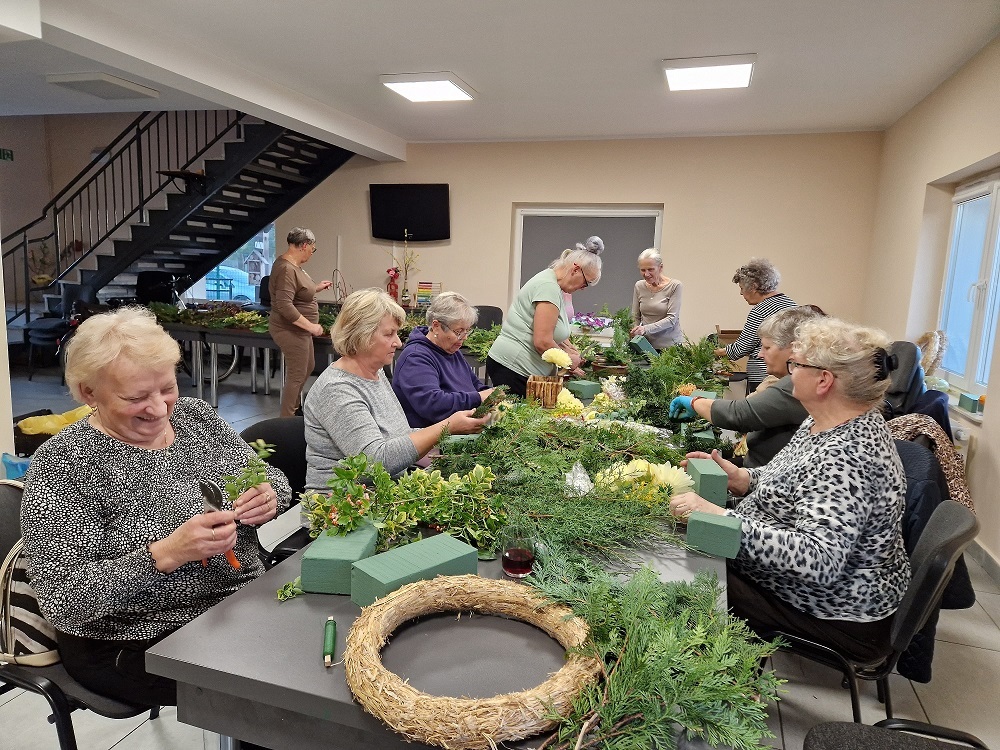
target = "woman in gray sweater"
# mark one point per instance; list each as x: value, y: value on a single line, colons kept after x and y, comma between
x: 769, y: 416
x: 352, y: 409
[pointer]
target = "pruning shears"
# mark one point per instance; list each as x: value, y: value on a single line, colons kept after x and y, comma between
x: 212, y: 499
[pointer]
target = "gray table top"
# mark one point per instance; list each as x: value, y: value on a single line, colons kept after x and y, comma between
x: 256, y: 649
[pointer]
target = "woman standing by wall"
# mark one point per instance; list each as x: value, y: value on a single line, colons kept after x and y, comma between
x: 295, y: 314
x: 656, y: 303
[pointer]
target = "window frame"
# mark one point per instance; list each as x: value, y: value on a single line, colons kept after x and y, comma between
x: 988, y: 285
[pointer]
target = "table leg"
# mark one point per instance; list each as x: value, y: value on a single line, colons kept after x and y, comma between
x: 267, y: 372
x: 197, y: 367
x: 253, y: 369
x: 281, y: 378
x: 213, y: 358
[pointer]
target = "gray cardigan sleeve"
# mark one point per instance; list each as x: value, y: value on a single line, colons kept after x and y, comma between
x: 773, y: 407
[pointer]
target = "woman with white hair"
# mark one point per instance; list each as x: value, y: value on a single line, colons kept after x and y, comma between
x: 351, y: 407
x: 537, y: 321
x: 758, y: 280
x: 121, y: 551
x: 822, y: 549
x: 593, y: 244
x: 656, y: 303
x: 431, y: 378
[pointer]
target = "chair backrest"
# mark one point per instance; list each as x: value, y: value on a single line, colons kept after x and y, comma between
x: 288, y: 436
x: 907, y: 380
x: 949, y: 531
x: 265, y: 290
x: 10, y: 515
x: 488, y: 316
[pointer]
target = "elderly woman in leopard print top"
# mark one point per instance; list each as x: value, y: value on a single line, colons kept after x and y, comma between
x: 121, y: 554
x: 822, y: 549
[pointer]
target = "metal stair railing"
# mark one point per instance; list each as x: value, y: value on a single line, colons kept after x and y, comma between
x: 111, y: 191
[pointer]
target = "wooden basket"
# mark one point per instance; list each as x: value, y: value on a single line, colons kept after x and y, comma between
x: 544, y: 388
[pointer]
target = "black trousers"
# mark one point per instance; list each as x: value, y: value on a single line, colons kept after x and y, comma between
x: 764, y: 612
x: 116, y: 669
x: 499, y: 374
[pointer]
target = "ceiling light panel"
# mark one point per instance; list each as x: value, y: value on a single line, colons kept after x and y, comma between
x: 443, y: 86
x: 103, y: 85
x: 699, y: 73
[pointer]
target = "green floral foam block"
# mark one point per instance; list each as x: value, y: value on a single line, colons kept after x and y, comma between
x: 710, y: 480
x: 378, y: 575
x: 715, y: 535
x: 705, y: 394
x: 326, y: 564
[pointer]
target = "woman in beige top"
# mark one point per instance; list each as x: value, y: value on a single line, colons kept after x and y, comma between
x: 295, y: 314
x: 656, y: 303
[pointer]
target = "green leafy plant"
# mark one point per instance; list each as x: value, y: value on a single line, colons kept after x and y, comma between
x: 253, y: 474
x: 291, y: 590
x: 247, y: 320
x: 480, y: 340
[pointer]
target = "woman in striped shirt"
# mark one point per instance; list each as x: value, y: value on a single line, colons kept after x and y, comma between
x: 758, y: 280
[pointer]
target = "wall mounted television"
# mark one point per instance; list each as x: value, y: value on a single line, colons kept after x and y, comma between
x: 420, y: 211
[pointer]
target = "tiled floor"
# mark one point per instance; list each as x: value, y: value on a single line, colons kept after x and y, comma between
x: 961, y: 695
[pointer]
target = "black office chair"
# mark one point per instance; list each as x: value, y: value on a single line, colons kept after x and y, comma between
x: 948, y: 532
x: 44, y: 334
x: 906, y: 380
x: 888, y: 734
x: 53, y: 683
x: 489, y: 316
x: 265, y: 290
x: 288, y: 436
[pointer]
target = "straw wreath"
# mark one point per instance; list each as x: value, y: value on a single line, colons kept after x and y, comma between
x: 464, y: 723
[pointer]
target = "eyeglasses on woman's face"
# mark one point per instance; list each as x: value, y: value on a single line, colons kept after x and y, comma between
x: 791, y: 364
x: 586, y: 282
x: 459, y: 332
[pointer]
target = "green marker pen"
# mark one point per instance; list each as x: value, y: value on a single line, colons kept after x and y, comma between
x: 329, y: 641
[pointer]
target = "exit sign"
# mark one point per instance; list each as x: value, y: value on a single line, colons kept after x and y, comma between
x: 6, y: 154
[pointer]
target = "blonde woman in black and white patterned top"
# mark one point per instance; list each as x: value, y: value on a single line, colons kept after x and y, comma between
x: 112, y: 511
x: 821, y: 552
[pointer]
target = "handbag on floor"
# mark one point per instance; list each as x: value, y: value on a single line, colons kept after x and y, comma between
x: 26, y: 637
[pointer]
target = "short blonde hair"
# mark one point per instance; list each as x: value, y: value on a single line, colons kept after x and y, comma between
x: 129, y: 333
x: 851, y: 352
x: 451, y: 309
x: 651, y: 254
x: 782, y: 325
x: 360, y: 318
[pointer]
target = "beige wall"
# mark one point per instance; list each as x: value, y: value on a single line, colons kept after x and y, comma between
x: 72, y: 139
x: 805, y: 201
x: 24, y: 183
x: 954, y: 132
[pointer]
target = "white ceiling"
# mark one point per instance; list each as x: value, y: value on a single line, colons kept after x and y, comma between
x: 544, y: 69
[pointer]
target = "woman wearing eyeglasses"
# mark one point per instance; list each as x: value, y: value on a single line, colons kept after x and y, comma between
x: 294, y: 319
x: 822, y: 553
x: 431, y: 378
x: 537, y: 321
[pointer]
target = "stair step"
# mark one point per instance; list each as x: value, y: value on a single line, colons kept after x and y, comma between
x: 276, y: 173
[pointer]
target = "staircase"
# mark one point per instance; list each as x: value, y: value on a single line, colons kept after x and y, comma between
x: 175, y: 192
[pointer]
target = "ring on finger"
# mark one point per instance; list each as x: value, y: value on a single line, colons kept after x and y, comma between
x: 213, y: 534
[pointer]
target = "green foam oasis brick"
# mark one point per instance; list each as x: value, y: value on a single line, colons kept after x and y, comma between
x: 705, y: 394
x: 968, y: 402
x: 583, y: 388
x: 326, y: 564
x: 704, y: 435
x: 640, y: 345
x: 715, y: 535
x: 709, y: 479
x: 378, y: 575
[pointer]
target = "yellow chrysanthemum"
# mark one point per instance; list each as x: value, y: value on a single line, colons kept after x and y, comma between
x: 557, y: 357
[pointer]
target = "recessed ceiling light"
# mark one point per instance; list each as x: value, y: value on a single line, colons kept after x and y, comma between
x: 720, y: 72
x: 429, y: 87
x: 103, y: 85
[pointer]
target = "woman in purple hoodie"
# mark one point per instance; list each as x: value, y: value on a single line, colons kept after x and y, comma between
x: 431, y: 378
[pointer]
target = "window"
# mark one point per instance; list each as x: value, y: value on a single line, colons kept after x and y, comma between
x: 971, y: 300
x: 238, y: 277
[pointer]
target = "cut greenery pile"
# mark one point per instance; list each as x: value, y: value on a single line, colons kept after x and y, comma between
x: 672, y: 659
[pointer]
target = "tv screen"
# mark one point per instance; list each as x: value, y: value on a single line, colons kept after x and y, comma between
x: 414, y: 212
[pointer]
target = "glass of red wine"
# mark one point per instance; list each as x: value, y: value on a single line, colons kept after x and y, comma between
x: 518, y: 554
